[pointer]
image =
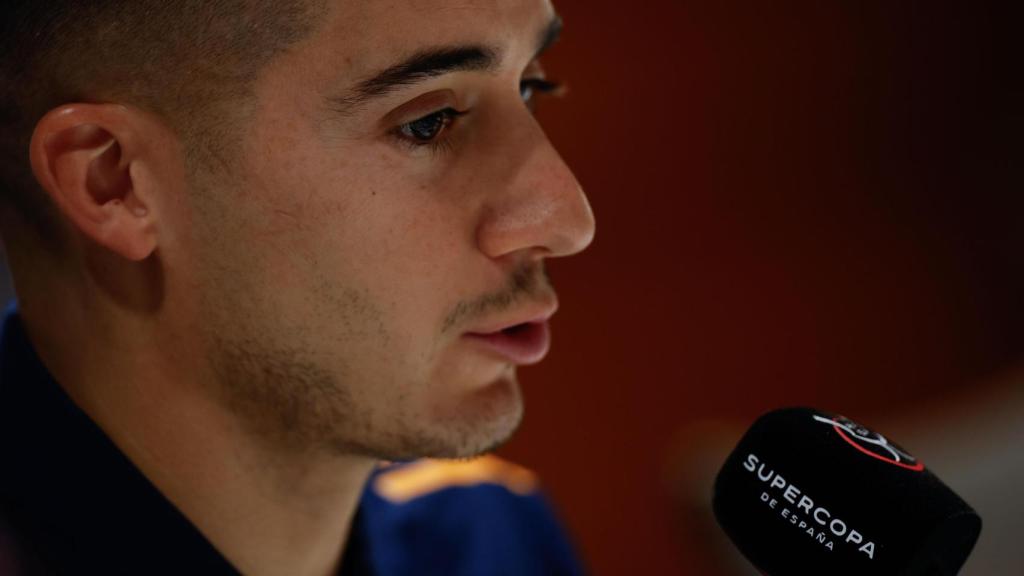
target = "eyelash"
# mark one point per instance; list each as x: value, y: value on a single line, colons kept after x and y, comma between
x: 447, y: 116
x: 540, y: 86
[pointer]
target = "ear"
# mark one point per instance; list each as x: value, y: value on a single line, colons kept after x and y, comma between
x: 87, y: 158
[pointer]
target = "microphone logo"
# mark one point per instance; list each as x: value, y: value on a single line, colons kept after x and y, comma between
x: 871, y: 443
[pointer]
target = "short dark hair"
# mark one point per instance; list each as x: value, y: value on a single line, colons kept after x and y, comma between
x: 182, y: 59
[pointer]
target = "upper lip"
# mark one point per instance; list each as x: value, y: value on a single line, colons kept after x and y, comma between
x: 533, y: 313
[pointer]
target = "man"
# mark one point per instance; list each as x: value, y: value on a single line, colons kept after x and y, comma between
x: 260, y: 246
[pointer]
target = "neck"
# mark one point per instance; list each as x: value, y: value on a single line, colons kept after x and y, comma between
x: 268, y: 508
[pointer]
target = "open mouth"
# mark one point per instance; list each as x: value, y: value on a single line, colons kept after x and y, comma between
x: 517, y: 329
x: 521, y: 344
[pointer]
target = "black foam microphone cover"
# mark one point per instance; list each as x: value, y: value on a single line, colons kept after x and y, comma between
x: 807, y: 492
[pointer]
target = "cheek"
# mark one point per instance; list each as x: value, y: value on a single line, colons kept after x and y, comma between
x: 405, y: 241
x: 324, y: 220
x: 394, y: 241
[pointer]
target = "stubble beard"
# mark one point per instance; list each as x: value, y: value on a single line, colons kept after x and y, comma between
x: 292, y: 391
x: 286, y: 399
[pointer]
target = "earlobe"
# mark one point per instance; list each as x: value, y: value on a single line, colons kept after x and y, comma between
x: 82, y: 156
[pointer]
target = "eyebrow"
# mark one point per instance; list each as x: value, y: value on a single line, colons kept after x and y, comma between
x: 433, y: 62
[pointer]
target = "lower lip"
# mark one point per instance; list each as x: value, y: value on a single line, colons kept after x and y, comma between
x: 525, y: 344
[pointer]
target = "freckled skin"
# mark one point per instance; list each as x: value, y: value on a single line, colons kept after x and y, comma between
x: 337, y: 270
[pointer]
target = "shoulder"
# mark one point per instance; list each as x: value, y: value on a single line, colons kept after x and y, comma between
x: 480, y: 516
x: 15, y: 557
x: 403, y: 483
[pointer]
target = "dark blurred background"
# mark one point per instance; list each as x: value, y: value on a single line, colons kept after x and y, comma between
x: 813, y: 203
x: 799, y: 203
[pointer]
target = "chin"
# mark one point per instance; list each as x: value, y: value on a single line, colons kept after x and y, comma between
x: 472, y: 424
x: 499, y: 414
x: 465, y: 425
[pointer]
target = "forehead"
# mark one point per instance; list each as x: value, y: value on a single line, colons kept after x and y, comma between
x: 364, y: 34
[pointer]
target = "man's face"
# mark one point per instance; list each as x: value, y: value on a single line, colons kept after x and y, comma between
x: 376, y: 225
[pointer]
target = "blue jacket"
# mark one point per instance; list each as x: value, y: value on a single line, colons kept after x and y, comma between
x: 72, y: 503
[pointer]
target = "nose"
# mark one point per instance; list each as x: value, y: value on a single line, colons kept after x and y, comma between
x: 541, y: 209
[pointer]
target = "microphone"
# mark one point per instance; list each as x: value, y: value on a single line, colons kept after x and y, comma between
x: 806, y: 492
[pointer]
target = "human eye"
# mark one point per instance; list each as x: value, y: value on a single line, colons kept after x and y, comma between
x: 529, y: 88
x: 428, y: 130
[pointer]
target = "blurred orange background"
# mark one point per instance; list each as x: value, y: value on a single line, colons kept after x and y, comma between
x: 800, y: 203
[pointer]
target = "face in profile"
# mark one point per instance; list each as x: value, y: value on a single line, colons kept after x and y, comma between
x: 370, y: 272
